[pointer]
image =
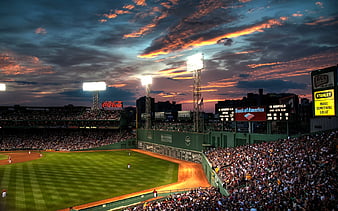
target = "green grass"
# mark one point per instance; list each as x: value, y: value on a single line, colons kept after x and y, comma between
x: 3, y: 157
x: 61, y: 180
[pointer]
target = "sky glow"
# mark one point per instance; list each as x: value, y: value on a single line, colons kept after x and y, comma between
x: 49, y: 48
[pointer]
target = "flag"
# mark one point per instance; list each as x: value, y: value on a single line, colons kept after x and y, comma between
x: 200, y: 102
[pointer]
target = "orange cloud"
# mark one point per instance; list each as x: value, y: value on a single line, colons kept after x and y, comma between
x: 40, y: 30
x: 117, y: 85
x: 294, y: 68
x: 320, y: 21
x: 205, y: 100
x: 173, y: 72
x: 320, y: 4
x: 140, y: 2
x: 179, y: 43
x: 110, y: 15
x: 297, y: 15
x: 221, y: 84
x: 168, y: 95
x: 183, y: 78
x: 209, y: 90
x: 166, y: 5
x: 129, y: 7
x: 120, y: 12
x: 148, y: 27
x: 11, y: 64
x: 260, y: 65
x: 246, y: 52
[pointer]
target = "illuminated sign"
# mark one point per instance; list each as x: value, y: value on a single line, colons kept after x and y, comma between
x: 112, y: 104
x: 250, y: 114
x: 277, y: 112
x: 324, y: 80
x: 227, y: 114
x: 324, y: 103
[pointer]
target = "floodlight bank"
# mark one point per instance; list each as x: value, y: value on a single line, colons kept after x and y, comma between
x: 94, y: 86
x: 146, y: 80
x: 195, y: 62
x: 2, y: 87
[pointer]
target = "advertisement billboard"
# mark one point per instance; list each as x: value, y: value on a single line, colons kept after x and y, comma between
x: 250, y: 114
x: 324, y: 103
x: 112, y: 104
x: 322, y: 81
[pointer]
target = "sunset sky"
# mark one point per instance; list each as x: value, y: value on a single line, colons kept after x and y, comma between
x: 49, y: 48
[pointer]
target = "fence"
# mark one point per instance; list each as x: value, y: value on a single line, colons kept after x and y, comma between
x: 134, y: 200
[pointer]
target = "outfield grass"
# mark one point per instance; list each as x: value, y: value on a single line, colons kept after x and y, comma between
x: 61, y: 180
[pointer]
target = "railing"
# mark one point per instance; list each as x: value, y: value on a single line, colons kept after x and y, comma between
x: 135, y: 200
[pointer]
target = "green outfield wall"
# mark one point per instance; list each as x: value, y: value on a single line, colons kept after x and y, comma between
x: 230, y: 139
x: 183, y: 140
x: 127, y: 144
x: 192, y: 141
x: 211, y: 175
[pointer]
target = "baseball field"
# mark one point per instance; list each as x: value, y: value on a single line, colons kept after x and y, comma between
x: 58, y: 180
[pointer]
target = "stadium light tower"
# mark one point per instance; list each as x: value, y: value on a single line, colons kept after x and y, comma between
x: 195, y: 64
x: 2, y: 87
x: 94, y: 87
x: 147, y: 81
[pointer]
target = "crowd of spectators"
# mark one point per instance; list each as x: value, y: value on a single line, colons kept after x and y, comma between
x: 59, y: 114
x: 289, y: 174
x: 197, y: 199
x: 62, y: 140
x: 59, y: 118
x: 295, y: 173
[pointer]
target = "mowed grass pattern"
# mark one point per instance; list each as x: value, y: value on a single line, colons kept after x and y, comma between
x: 60, y: 180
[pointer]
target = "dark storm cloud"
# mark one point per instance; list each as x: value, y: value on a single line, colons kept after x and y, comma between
x: 198, y: 21
x: 292, y: 41
x: 243, y: 75
x: 23, y: 82
x: 270, y: 85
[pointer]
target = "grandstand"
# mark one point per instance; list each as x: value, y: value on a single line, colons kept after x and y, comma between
x: 247, y: 171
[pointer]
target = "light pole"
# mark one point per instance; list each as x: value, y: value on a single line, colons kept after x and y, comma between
x: 195, y: 64
x: 147, y: 81
x: 94, y: 87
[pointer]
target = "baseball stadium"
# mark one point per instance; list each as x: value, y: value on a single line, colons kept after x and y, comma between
x: 93, y: 158
x: 51, y: 161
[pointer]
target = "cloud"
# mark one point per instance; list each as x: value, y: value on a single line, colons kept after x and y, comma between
x: 225, y: 41
x: 244, y: 75
x: 40, y: 30
x: 111, y: 94
x: 270, y: 85
x: 190, y: 37
x: 16, y: 64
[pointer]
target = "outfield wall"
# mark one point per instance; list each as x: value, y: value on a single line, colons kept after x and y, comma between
x: 184, y: 140
x: 231, y: 139
x: 201, y: 141
x: 174, y: 152
x: 127, y: 144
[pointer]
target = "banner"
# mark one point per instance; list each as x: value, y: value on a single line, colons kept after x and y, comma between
x: 112, y: 104
x: 324, y: 103
x: 250, y: 114
x: 324, y: 80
